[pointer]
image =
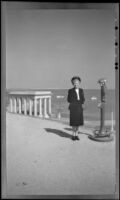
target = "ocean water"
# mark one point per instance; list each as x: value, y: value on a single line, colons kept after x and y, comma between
x: 91, y: 110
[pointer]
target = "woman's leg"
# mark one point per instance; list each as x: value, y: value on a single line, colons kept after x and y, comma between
x: 73, y: 136
x: 77, y: 128
x: 75, y: 131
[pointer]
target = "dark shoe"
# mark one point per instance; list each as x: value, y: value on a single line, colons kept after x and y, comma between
x: 77, y: 138
x: 73, y: 137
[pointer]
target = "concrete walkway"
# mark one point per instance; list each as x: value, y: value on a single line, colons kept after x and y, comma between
x: 43, y: 160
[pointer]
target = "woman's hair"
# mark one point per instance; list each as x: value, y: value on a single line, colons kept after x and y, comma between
x: 74, y: 78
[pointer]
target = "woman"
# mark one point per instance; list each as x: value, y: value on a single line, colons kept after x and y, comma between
x: 76, y: 99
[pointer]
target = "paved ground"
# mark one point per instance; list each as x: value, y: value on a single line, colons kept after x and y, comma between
x: 43, y: 160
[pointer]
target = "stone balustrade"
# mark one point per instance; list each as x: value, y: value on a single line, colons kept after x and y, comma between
x: 30, y: 103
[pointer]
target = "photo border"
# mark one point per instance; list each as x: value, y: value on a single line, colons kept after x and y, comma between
x: 55, y: 5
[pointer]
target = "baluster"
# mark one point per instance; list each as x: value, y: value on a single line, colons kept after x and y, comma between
x: 45, y: 108
x: 11, y: 104
x: 35, y: 107
x: 22, y: 105
x: 40, y: 107
x: 25, y: 106
x: 50, y: 105
x: 30, y: 107
x: 19, y: 105
x: 15, y: 105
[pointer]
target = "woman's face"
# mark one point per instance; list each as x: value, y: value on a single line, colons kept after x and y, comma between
x: 76, y: 83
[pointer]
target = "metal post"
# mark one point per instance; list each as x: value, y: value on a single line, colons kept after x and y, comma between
x: 112, y: 123
x: 102, y: 110
x: 102, y: 134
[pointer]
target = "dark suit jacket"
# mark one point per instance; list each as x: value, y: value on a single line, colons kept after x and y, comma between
x: 72, y: 96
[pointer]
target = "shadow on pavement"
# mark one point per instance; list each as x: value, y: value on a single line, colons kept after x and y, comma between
x: 58, y: 132
x: 70, y: 129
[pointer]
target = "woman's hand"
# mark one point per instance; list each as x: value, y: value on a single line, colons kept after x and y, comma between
x: 83, y: 106
x: 100, y: 105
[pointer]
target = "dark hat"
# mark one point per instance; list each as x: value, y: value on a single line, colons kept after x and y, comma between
x: 75, y: 77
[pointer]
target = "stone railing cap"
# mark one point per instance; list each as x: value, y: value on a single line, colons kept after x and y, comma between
x: 30, y: 92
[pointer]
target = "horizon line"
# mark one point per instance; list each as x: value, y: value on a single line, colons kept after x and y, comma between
x: 54, y: 89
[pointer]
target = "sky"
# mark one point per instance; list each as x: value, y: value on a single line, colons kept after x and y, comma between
x: 45, y: 48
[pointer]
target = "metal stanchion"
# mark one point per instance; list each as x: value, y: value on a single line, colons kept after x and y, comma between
x: 59, y: 109
x: 102, y: 135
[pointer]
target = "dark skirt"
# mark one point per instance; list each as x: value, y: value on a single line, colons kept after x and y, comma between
x: 76, y: 115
